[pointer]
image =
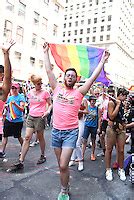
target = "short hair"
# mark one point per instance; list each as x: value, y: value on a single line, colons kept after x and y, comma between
x: 1, y: 69
x: 111, y: 89
x: 35, y: 79
x: 71, y: 69
x: 122, y: 91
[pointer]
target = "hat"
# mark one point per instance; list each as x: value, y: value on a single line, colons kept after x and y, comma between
x: 92, y: 98
x: 16, y: 85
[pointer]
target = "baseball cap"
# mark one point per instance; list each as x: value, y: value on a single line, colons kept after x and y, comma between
x: 92, y: 97
x: 16, y: 85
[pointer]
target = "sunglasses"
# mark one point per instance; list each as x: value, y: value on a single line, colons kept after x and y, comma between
x: 38, y: 83
x: 13, y: 88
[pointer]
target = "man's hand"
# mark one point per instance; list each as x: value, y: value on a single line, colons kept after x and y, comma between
x: 105, y: 56
x: 6, y: 46
x: 45, y: 47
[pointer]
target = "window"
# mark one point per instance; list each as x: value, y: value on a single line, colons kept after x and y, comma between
x: 101, y: 38
x: 65, y: 17
x: 41, y: 64
x: 109, y: 18
x: 87, y: 39
x: 76, y: 23
x: 75, y: 40
x: 95, y: 20
x: 8, y: 29
x: 22, y: 9
x: 75, y: 32
x: 64, y: 34
x: 9, y: 5
x: 97, y: 2
x: 80, y: 40
x: 81, y: 31
x: 88, y: 30
x: 108, y: 37
x: 55, y: 29
x: 93, y: 39
x: 34, y: 40
x: 82, y: 21
x: 69, y: 33
x: 94, y: 29
x: 57, y: 8
x: 68, y: 41
x: 102, y: 28
x: 70, y: 24
x: 44, y: 24
x: 110, y: 0
x: 89, y: 21
x: 108, y: 27
x: 36, y: 18
x: 17, y: 56
x: 32, y: 61
x: 19, y: 34
x: 65, y: 25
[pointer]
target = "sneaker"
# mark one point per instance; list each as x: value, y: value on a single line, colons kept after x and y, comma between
x: 109, y: 175
x: 33, y: 144
x: 93, y: 157
x: 80, y: 166
x: 101, y: 154
x: 121, y: 174
x: 115, y: 165
x: 63, y: 196
x: 71, y: 163
x: 2, y: 155
x: 19, y: 165
x: 41, y: 160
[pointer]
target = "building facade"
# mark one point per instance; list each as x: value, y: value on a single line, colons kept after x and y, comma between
x: 30, y: 24
x: 108, y: 24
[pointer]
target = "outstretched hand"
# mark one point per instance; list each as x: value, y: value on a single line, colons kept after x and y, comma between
x: 105, y: 56
x: 45, y: 47
x: 6, y: 46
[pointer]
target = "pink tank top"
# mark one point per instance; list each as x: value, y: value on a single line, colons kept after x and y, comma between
x: 66, y: 104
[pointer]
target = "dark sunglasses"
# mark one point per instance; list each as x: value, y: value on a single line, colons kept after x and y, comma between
x: 13, y: 88
x: 38, y: 83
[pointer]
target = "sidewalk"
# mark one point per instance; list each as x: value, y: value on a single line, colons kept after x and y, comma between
x: 41, y: 182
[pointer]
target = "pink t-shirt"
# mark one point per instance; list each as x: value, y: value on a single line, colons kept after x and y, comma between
x: 37, y: 105
x: 66, y: 104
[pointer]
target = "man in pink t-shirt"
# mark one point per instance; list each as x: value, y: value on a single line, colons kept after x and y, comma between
x: 66, y: 104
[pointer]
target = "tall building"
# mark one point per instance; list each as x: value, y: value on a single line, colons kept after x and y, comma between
x: 108, y: 24
x: 30, y: 24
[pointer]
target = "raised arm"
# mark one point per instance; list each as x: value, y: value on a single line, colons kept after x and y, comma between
x: 48, y: 66
x: 84, y: 89
x: 7, y: 70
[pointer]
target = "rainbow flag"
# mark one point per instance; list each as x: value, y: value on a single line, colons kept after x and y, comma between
x: 12, y: 113
x: 83, y: 58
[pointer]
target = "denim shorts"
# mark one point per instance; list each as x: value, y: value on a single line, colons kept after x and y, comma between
x: 64, y: 138
x: 88, y: 131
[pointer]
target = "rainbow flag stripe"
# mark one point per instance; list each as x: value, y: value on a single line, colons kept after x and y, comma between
x: 12, y: 113
x: 83, y: 58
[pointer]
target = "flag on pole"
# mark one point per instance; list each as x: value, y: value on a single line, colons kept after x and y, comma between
x: 83, y: 58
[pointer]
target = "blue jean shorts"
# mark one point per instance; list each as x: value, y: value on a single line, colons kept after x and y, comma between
x: 88, y: 131
x: 64, y: 138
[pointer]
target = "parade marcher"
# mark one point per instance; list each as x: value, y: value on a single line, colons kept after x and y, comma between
x: 38, y: 99
x: 92, y: 126
x: 14, y: 118
x: 66, y: 104
x: 115, y: 134
x: 77, y: 152
x: 5, y: 79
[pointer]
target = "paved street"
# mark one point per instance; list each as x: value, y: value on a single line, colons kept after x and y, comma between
x: 41, y: 182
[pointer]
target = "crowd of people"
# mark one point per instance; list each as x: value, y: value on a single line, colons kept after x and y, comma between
x: 76, y: 111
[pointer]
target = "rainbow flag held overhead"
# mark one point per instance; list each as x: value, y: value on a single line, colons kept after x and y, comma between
x: 83, y: 58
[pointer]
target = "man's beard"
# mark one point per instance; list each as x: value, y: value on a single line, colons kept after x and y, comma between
x: 71, y: 85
